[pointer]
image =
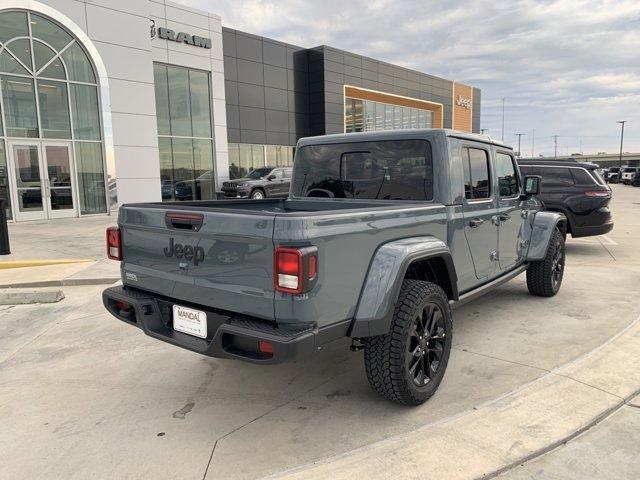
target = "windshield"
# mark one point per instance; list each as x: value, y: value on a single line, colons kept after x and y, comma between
x: 258, y: 173
x: 628, y: 170
x: 391, y: 170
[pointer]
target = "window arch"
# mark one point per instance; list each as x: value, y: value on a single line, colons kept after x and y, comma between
x: 49, y: 90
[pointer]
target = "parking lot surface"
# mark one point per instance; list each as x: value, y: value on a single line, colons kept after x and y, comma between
x: 83, y: 395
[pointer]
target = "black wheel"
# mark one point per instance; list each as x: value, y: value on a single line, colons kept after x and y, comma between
x: 257, y: 194
x: 407, y: 364
x: 544, y: 277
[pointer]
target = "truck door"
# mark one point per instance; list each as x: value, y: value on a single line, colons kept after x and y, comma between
x: 479, y: 207
x: 509, y: 210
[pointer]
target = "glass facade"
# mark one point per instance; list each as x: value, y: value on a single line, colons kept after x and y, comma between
x: 244, y: 157
x: 185, y: 141
x: 49, y: 91
x: 368, y: 116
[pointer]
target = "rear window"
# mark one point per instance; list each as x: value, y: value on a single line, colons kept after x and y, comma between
x: 581, y: 177
x: 507, y: 176
x: 391, y: 170
x: 475, y: 162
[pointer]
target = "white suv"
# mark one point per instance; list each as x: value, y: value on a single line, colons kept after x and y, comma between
x: 629, y: 174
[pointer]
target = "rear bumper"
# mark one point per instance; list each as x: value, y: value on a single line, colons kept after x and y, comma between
x: 229, y: 336
x: 589, y: 231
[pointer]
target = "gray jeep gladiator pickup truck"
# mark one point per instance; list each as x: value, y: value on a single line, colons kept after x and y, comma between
x: 381, y: 234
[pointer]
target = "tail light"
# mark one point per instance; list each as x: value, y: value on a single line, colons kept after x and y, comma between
x: 597, y: 193
x: 295, y: 269
x: 114, y: 244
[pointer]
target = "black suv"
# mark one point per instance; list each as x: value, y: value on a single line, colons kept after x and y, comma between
x: 260, y: 183
x: 575, y: 189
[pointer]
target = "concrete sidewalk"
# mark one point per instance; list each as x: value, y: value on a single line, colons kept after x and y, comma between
x: 102, y: 272
x: 609, y: 451
x: 67, y: 238
x: 58, y: 253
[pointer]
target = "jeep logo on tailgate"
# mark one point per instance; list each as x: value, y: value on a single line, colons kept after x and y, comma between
x: 188, y: 252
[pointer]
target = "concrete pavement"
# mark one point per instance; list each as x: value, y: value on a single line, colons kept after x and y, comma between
x: 83, y: 395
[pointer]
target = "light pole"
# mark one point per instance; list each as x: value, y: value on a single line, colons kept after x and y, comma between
x: 555, y: 146
x: 533, y: 142
x: 519, y: 135
x: 482, y: 130
x: 622, y: 122
x: 502, y: 138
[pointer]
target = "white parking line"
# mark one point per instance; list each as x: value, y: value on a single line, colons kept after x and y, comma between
x: 599, y: 240
x: 608, y: 240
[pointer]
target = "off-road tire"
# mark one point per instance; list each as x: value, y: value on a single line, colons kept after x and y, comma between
x: 387, y: 357
x: 258, y: 193
x: 544, y: 277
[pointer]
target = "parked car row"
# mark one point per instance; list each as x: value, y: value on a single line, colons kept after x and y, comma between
x: 625, y: 174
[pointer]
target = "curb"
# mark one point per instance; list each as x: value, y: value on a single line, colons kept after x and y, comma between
x: 496, y: 436
x: 21, y: 296
x: 41, y: 263
x: 68, y: 282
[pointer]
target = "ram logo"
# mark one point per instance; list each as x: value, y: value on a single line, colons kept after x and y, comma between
x: 182, y: 37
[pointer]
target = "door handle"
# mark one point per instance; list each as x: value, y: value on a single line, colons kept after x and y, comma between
x: 476, y: 222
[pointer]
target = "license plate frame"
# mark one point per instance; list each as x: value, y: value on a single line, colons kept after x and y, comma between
x: 190, y: 321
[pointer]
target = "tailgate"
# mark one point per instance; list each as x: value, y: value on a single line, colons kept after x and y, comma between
x: 222, y: 261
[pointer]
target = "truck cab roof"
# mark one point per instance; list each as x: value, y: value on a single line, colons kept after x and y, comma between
x: 400, y: 134
x: 559, y: 163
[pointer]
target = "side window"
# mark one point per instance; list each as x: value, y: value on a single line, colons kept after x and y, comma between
x: 476, y: 173
x: 287, y: 173
x: 581, y: 177
x: 507, y: 176
x: 556, y: 177
x: 278, y: 173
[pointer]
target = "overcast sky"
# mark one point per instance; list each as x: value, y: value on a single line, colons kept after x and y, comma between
x: 569, y: 68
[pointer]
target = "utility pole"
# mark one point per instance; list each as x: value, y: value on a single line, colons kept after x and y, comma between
x: 622, y: 122
x: 519, y: 135
x: 555, y: 146
x: 533, y: 142
x: 503, y: 119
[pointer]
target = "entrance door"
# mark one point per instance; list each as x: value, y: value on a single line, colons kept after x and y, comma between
x: 42, y: 184
x: 59, y: 181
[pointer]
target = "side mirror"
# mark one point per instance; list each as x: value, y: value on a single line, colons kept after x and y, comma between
x: 271, y: 177
x: 531, y: 185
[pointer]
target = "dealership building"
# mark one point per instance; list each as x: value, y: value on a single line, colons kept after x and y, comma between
x: 106, y: 101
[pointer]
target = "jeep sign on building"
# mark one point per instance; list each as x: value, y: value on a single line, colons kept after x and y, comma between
x: 108, y: 102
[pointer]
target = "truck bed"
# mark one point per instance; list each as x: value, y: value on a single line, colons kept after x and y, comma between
x: 291, y: 206
x: 237, y: 239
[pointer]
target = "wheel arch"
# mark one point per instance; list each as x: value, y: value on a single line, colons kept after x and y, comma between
x: 261, y: 188
x: 544, y: 223
x: 419, y: 258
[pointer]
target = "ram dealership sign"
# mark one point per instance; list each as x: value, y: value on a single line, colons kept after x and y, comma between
x: 463, y: 102
x: 179, y: 37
